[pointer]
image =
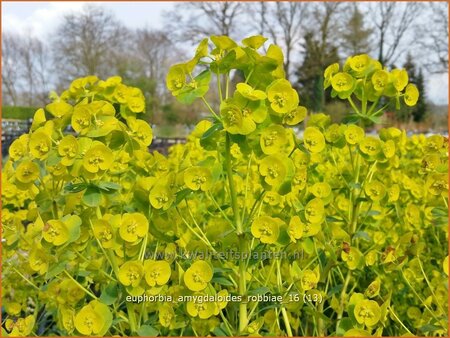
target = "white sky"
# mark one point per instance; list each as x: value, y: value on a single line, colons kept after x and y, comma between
x: 41, y: 18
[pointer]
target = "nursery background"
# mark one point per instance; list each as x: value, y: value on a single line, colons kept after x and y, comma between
x: 46, y: 45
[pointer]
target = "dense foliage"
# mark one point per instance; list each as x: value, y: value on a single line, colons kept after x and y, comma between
x: 247, y: 229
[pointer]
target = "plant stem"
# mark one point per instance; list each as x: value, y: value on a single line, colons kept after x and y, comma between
x: 79, y: 285
x: 210, y: 108
x: 234, y: 203
x: 243, y: 319
x: 286, y: 322
x: 343, y: 294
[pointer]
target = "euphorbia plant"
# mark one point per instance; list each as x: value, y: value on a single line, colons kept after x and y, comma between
x: 244, y: 214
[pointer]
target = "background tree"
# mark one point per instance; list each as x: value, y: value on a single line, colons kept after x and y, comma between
x: 88, y: 43
x: 356, y: 37
x: 192, y: 21
x: 10, y: 71
x: 283, y: 22
x: 319, y: 51
x: 394, y: 23
x: 433, y: 38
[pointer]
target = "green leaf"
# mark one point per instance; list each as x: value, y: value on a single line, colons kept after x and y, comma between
x: 92, y: 196
x: 362, y: 234
x: 220, y: 331
x: 344, y: 325
x: 215, y: 127
x: 254, y: 41
x: 44, y: 201
x: 430, y: 328
x: 259, y: 291
x: 147, y: 331
x: 225, y: 64
x: 181, y: 195
x: 75, y: 187
x: 221, y: 281
x: 53, y: 158
x: 108, y: 186
x: 351, y: 119
x: 73, y: 223
x: 109, y: 294
x: 197, y: 88
x: 56, y: 270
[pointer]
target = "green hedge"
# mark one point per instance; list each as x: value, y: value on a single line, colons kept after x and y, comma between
x: 20, y: 113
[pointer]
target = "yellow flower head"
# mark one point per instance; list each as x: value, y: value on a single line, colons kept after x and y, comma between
x: 136, y: 104
x: 313, y: 140
x: 104, y: 233
x: 141, y: 131
x: 166, y: 315
x: 234, y: 120
x: 274, y: 169
x: 380, y: 79
x: 176, y: 78
x: 272, y: 198
x: 354, y: 134
x: 81, y: 119
x: 68, y: 150
x: 98, y: 157
x: 133, y: 227
x: 59, y: 108
x: 58, y: 232
x: 359, y: 63
x: 40, y: 145
x: 266, y: 228
x: 198, y: 178
x: 399, y: 78
x: 198, y: 276
x: 22, y: 327
x: 353, y: 257
x: 375, y: 190
x: 388, y: 148
x: 367, y: 312
x: 282, y: 97
x: 329, y: 73
x: 93, y: 319
x: 295, y: 116
x: 295, y: 229
x: 370, y: 146
x: 309, y: 279
x: 131, y: 273
x: 27, y: 172
x: 197, y: 307
x: 249, y: 93
x: 315, y: 211
x: 161, y: 196
x: 273, y: 139
x: 157, y: 272
x: 342, y: 82
x: 18, y: 148
x: 411, y: 95
x: 321, y: 189
x: 38, y: 260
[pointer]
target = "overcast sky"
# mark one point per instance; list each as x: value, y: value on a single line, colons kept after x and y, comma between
x: 41, y: 18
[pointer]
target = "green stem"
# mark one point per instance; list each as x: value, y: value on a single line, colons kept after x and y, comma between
x: 353, y: 105
x: 343, y: 295
x: 234, y: 202
x: 79, y: 285
x: 210, y: 108
x: 131, y: 316
x: 243, y: 319
x: 286, y: 322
